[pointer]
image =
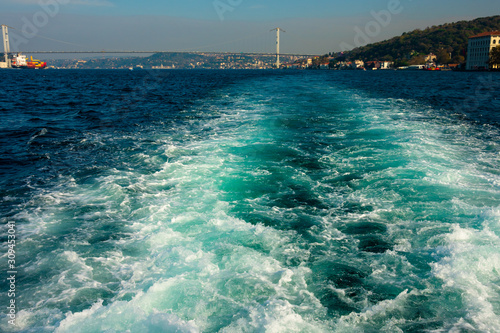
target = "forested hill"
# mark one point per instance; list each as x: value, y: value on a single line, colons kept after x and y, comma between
x: 440, y: 40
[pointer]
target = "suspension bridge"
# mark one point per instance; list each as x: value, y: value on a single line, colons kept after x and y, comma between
x: 8, y: 52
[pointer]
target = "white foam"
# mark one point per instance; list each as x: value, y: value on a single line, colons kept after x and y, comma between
x: 183, y: 262
x: 379, y: 315
x: 470, y: 263
x: 197, y: 294
x: 42, y: 132
x: 274, y: 316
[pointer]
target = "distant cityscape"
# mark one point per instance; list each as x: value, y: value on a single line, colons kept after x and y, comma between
x: 177, y: 61
x: 464, y: 45
x: 482, y: 55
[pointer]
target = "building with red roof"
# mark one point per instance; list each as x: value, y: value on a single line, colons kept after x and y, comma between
x: 480, y: 46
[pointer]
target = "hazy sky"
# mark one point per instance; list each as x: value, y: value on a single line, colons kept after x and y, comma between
x: 312, y: 27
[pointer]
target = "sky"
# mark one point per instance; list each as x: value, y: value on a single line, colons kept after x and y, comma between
x: 311, y: 26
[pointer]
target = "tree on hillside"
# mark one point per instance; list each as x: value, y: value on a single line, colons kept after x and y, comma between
x: 443, y: 57
x: 451, y: 38
x: 494, y: 61
x: 417, y: 60
x: 458, y: 59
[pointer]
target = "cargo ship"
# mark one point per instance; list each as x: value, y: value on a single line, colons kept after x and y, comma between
x: 21, y: 61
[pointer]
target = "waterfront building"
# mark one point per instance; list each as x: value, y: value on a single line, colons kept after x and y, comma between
x: 358, y: 64
x: 430, y: 57
x: 480, y: 46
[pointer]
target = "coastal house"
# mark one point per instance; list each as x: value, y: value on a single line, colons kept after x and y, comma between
x: 430, y: 57
x: 292, y: 66
x: 325, y: 65
x: 357, y: 64
x: 371, y: 65
x: 375, y: 65
x: 386, y: 64
x: 480, y: 46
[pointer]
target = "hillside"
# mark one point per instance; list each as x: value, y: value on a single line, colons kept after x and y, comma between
x: 176, y: 60
x: 443, y: 40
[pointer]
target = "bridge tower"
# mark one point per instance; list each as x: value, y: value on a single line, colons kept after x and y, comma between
x: 6, y: 45
x: 278, y: 46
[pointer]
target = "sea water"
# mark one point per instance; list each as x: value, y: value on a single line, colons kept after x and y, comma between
x: 250, y: 201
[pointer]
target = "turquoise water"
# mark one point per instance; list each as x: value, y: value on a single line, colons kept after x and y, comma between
x: 253, y: 202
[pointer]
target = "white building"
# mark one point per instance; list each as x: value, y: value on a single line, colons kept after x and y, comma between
x: 358, y: 64
x: 480, y: 46
x: 386, y: 64
x: 430, y: 57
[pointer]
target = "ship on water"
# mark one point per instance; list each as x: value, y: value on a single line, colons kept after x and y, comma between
x: 17, y: 60
x: 21, y: 61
